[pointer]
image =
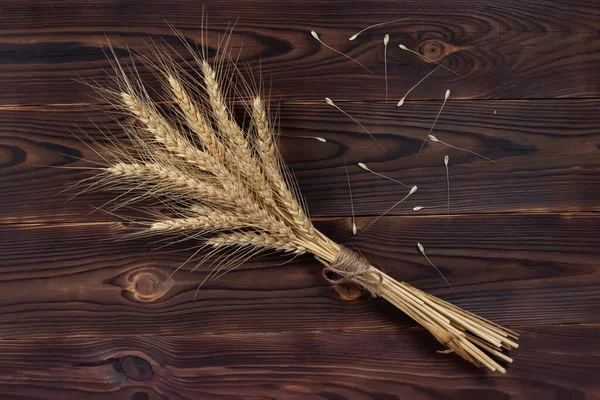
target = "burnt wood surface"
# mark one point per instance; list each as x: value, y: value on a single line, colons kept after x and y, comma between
x: 515, y: 269
x: 85, y: 314
x: 546, y: 150
x: 311, y: 365
x: 508, y: 50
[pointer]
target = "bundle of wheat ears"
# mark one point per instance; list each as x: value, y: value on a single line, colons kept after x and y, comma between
x: 225, y: 185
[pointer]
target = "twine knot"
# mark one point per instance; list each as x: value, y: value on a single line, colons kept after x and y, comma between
x: 351, y: 267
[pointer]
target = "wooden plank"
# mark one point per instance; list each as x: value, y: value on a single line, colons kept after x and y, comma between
x: 556, y: 361
x: 509, y: 50
x: 547, y: 151
x: 74, y: 280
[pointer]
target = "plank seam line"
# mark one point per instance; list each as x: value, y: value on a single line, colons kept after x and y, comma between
x: 11, y: 106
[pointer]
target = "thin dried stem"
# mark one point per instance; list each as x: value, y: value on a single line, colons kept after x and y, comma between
x: 422, y: 250
x: 412, y: 190
x: 318, y: 39
x: 403, y: 99
x: 364, y: 166
x: 331, y: 103
x: 446, y: 161
x: 318, y: 138
x: 351, y: 38
x: 354, y: 229
x: 435, y: 139
x: 386, y: 40
x: 446, y: 95
x: 403, y: 47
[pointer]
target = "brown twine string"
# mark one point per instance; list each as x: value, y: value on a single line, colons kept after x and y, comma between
x: 350, y: 266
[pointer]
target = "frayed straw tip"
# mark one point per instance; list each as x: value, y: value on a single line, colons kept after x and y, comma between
x: 433, y: 138
x: 401, y: 102
x: 329, y: 101
x: 386, y: 39
x: 403, y: 47
x: 315, y: 35
x: 412, y: 190
x: 417, y: 208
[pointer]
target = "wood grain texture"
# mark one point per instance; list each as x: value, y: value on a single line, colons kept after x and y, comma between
x: 74, y: 280
x: 86, y: 316
x: 507, y: 50
x: 556, y: 362
x: 547, y: 151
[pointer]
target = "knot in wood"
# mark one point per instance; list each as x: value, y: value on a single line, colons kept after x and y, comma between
x: 351, y: 267
x: 348, y: 291
x: 146, y: 285
x: 134, y: 368
x: 434, y: 50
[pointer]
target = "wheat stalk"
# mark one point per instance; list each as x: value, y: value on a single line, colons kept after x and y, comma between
x: 227, y: 185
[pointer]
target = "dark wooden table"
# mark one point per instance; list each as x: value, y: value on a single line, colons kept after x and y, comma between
x: 85, y: 317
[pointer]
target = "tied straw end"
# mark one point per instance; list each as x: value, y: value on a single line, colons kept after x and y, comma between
x: 473, y: 338
x: 351, y: 267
